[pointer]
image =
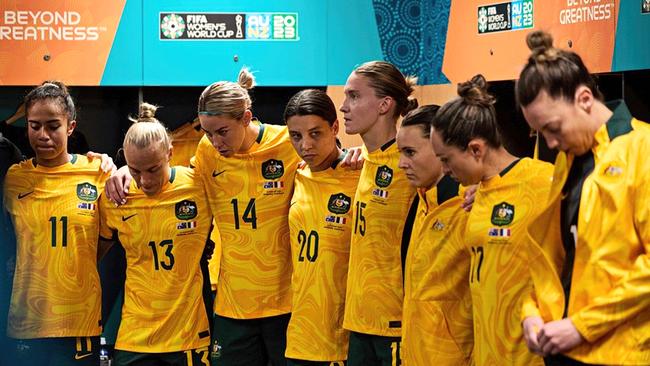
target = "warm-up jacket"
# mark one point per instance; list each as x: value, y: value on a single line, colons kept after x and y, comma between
x: 609, y: 301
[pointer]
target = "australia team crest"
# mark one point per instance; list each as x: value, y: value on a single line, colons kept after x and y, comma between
x: 272, y: 169
x: 339, y: 203
x: 87, y: 192
x: 503, y: 214
x: 186, y: 210
x: 384, y: 176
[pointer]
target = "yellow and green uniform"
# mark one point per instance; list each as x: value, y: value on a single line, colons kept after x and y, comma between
x: 320, y: 219
x: 374, y: 295
x: 214, y: 264
x: 437, y: 316
x: 56, y: 289
x: 609, y: 282
x: 163, y: 237
x: 185, y: 139
x: 499, y: 281
x: 249, y: 195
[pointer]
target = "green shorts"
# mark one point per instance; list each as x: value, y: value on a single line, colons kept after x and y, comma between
x: 368, y: 349
x: 192, y: 357
x: 73, y: 351
x: 249, y: 342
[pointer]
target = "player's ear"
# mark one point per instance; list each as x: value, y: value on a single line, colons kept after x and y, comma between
x: 71, y: 126
x: 477, y: 148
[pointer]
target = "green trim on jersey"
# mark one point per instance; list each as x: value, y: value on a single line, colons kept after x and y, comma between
x: 172, y: 175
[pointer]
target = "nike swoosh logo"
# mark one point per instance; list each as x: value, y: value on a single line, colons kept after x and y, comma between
x: 124, y: 218
x: 79, y: 357
x: 216, y: 174
x: 23, y: 195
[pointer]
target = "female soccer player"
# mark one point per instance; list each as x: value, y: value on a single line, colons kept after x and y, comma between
x: 376, y: 94
x: 163, y: 228
x: 248, y: 168
x: 320, y: 219
x: 592, y: 272
x: 437, y: 318
x: 465, y: 137
x: 55, y: 310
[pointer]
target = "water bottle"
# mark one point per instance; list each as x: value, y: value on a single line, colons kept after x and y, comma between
x: 104, y: 359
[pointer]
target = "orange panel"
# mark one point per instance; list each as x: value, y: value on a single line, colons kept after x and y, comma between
x: 501, y: 55
x: 76, y: 36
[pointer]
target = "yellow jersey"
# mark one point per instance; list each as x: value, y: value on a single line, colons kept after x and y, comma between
x: 185, y: 139
x: 437, y: 316
x: 249, y: 194
x: 374, y: 295
x: 215, y: 262
x: 320, y: 219
x: 608, y: 298
x: 163, y: 237
x: 499, y: 281
x: 56, y: 289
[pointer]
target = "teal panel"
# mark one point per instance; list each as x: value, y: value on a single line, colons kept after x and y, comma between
x: 334, y: 37
x: 353, y: 38
x: 200, y: 62
x: 124, y: 64
x: 632, y: 49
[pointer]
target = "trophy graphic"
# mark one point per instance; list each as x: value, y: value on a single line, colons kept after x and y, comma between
x: 238, y: 20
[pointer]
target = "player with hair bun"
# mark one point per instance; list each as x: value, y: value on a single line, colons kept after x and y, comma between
x: 591, y: 263
x: 52, y: 200
x: 376, y: 95
x: 163, y: 228
x: 437, y: 318
x: 466, y: 138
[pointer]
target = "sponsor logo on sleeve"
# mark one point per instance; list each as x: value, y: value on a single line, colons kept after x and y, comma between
x: 438, y: 225
x: 23, y: 195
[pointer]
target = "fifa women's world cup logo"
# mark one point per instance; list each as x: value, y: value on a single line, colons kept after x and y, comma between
x: 172, y: 26
x: 238, y: 22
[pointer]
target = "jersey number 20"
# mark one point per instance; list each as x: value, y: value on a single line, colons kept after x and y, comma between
x: 310, y: 243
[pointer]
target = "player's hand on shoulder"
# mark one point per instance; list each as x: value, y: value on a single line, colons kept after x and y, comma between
x: 468, y: 198
x: 117, y: 186
x: 108, y: 166
x: 353, y: 159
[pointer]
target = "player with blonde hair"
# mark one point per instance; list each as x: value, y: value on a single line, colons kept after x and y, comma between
x: 163, y: 228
